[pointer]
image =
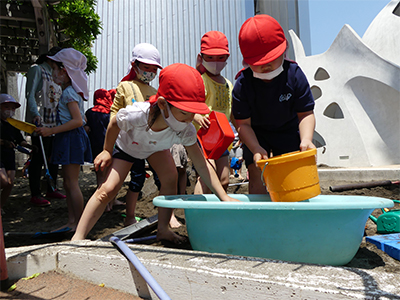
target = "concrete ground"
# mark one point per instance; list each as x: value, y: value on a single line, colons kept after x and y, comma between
x: 198, y: 275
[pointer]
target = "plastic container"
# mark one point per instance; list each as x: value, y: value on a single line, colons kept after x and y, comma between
x: 389, y: 222
x: 327, y: 229
x: 217, y: 137
x: 292, y: 176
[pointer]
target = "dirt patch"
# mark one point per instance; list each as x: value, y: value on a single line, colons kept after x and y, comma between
x: 21, y: 217
x: 56, y: 285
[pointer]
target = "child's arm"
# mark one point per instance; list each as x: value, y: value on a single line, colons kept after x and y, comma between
x: 207, y: 173
x: 306, y: 129
x: 7, y: 143
x: 75, y: 122
x: 104, y: 158
x: 248, y: 137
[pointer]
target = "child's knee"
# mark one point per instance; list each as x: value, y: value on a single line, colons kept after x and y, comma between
x: 105, y: 195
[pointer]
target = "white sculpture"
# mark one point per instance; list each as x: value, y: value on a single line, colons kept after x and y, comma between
x: 356, y: 86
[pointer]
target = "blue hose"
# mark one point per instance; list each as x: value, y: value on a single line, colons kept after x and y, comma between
x: 141, y: 239
x: 127, y: 252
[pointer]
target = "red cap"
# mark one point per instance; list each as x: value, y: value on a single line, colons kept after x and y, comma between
x: 214, y: 43
x: 183, y: 87
x: 261, y: 40
x: 102, y: 101
x: 112, y: 93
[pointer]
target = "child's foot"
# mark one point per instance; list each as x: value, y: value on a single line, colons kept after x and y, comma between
x: 113, y: 203
x: 129, y: 221
x: 109, y: 207
x: 119, y: 203
x: 173, y: 222
x: 170, y: 236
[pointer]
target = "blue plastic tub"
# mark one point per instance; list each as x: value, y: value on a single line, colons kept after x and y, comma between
x: 327, y: 229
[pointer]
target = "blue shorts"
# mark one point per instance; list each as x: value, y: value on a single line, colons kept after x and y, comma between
x: 71, y: 147
x: 279, y: 142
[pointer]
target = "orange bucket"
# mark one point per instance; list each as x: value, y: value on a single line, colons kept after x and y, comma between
x: 292, y: 176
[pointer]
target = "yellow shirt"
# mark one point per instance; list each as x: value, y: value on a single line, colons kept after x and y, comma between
x: 218, y: 96
x: 129, y: 92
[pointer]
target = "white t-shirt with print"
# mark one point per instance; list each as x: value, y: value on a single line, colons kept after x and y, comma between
x: 140, y: 143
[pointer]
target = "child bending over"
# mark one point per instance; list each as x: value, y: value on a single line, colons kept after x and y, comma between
x: 147, y: 130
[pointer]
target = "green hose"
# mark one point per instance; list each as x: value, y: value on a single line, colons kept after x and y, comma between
x: 373, y: 218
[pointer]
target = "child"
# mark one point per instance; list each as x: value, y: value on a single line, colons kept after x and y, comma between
x: 272, y: 102
x: 71, y: 146
x: 42, y: 96
x: 147, y: 130
x: 10, y: 137
x: 97, y: 119
x: 213, y: 56
x: 135, y: 87
x: 236, y: 156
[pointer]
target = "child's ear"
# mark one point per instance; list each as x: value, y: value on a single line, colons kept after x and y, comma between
x: 162, y: 105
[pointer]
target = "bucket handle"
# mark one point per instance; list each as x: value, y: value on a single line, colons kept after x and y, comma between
x: 262, y: 173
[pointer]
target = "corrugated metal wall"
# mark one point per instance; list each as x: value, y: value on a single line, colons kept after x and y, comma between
x: 174, y: 27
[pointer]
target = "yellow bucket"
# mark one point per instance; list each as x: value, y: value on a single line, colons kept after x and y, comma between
x: 292, y: 176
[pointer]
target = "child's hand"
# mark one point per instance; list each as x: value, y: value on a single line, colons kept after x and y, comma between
x: 203, y: 121
x: 102, y: 160
x: 306, y: 144
x: 7, y: 144
x: 261, y: 154
x: 44, y: 131
x: 227, y: 198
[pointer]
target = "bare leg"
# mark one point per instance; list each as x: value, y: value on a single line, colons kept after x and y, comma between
x: 222, y: 169
x: 7, y: 183
x: 164, y: 166
x: 131, y: 200
x: 74, y: 195
x: 201, y: 187
x: 255, y: 184
x: 99, y: 200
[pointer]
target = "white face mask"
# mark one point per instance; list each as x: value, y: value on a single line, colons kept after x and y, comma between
x: 7, y: 113
x: 270, y: 75
x: 172, y: 122
x: 145, y: 76
x: 214, y: 67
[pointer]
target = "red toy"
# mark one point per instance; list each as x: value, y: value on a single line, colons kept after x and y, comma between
x: 217, y: 137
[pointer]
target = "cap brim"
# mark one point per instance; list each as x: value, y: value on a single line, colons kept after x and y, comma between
x: 149, y: 62
x: 191, y: 106
x: 13, y: 102
x: 215, y: 52
x: 267, y: 58
x: 153, y: 99
x: 53, y: 57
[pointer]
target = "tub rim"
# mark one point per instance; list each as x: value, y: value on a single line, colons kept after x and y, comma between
x: 211, y: 201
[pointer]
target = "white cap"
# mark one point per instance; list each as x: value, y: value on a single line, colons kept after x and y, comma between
x: 147, y: 54
x: 75, y: 64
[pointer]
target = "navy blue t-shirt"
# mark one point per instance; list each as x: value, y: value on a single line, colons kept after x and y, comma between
x: 12, y: 134
x: 272, y: 106
x: 98, y: 122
